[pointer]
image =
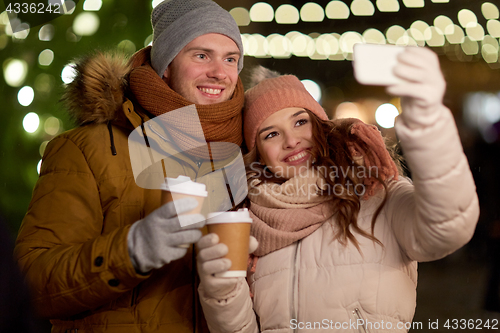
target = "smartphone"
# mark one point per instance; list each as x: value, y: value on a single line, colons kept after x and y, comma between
x: 373, y: 63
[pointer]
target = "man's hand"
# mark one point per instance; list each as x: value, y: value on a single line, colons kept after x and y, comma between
x: 154, y: 241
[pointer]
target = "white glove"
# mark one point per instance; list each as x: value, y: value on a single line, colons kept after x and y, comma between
x: 210, y: 261
x: 423, y: 85
x: 154, y: 241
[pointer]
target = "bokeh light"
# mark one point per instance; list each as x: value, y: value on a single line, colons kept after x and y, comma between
x: 21, y: 31
x: 68, y: 73
x: 445, y: 24
x: 302, y: 45
x: 349, y: 110
x: 489, y: 53
x: 388, y: 5
x: 127, y: 46
x: 68, y: 6
x: 457, y: 37
x: 46, y: 57
x: 470, y: 47
x: 148, y: 41
x: 475, y: 33
x: 313, y: 88
x: 327, y: 45
x: 46, y: 33
x: 406, y: 41
x: 42, y: 147
x: 312, y: 12
x: 44, y: 83
x: 374, y: 36
x: 467, y: 18
x: 414, y: 3
x: 92, y: 5
x: 261, y: 12
x: 394, y: 33
x: 437, y: 37
x: 31, y: 122
x: 52, y: 126
x: 25, y: 95
x: 279, y: 46
x: 241, y: 16
x: 287, y: 14
x: 348, y: 40
x: 362, y: 8
x: 155, y: 3
x: 257, y: 46
x: 15, y: 71
x: 418, y: 31
x: 337, y: 10
x: 386, y: 115
x: 490, y: 11
x: 86, y: 24
x: 493, y: 27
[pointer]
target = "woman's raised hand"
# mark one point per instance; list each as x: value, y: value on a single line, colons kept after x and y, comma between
x: 422, y: 87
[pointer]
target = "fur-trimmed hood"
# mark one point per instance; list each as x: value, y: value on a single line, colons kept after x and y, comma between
x: 97, y: 91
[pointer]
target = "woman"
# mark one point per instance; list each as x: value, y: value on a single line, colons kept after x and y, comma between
x: 340, y: 231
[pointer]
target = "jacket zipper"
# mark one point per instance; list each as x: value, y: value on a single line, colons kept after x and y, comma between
x: 295, y: 284
x: 135, y: 290
x: 134, y: 296
x: 358, y: 316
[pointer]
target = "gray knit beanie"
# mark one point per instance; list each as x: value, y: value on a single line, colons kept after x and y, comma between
x: 177, y: 22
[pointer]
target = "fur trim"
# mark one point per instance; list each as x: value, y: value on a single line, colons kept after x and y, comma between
x: 97, y: 92
x: 260, y: 73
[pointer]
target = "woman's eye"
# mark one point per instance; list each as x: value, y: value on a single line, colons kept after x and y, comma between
x: 271, y: 135
x: 301, y: 122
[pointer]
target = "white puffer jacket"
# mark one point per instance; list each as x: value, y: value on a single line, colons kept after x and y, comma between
x: 318, y: 285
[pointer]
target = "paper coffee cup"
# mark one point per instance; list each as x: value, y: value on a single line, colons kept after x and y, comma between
x: 183, y: 187
x: 233, y: 229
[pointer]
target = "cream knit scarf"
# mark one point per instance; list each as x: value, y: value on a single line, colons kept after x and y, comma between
x: 283, y: 214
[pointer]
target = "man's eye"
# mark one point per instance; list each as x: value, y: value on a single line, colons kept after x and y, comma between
x: 201, y: 56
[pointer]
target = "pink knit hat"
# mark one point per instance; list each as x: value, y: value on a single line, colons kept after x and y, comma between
x: 274, y: 93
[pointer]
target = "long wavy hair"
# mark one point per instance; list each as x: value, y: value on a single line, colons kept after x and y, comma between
x: 331, y: 150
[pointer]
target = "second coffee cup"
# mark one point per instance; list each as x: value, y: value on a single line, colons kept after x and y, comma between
x: 233, y: 229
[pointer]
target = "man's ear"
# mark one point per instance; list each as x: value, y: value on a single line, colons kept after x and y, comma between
x: 165, y: 75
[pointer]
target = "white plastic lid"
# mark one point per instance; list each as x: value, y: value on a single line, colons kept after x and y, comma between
x: 232, y: 274
x: 241, y: 215
x: 184, y: 185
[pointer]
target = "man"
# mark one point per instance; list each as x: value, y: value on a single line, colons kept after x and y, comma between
x: 98, y: 252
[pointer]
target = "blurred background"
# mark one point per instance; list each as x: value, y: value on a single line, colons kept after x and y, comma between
x: 313, y: 40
